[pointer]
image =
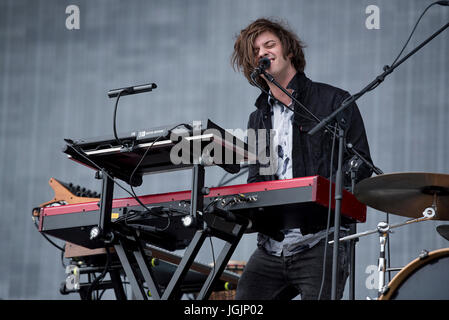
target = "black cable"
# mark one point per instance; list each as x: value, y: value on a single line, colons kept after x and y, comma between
x: 135, y: 170
x: 245, y: 168
x: 48, y: 239
x: 62, y: 256
x: 133, y: 195
x: 328, y: 215
x: 132, y: 192
x: 101, y: 294
x: 148, y: 149
x: 222, y: 183
x: 129, y: 215
x: 143, y: 157
x: 138, y: 165
x: 213, y: 259
x: 375, y: 85
x: 114, y: 118
x: 109, y: 176
x: 413, y: 30
x: 212, y: 203
x: 101, y: 169
x: 129, y: 220
x: 101, y: 276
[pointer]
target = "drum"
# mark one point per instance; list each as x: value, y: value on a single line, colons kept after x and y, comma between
x: 425, y: 278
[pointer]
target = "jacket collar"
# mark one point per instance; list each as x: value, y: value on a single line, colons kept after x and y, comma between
x: 298, y: 84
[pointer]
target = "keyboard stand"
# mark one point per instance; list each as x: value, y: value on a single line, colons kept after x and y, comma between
x: 120, y: 164
x: 135, y: 263
x: 192, y: 250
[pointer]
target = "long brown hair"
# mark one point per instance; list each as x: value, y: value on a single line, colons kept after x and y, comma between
x: 243, y: 57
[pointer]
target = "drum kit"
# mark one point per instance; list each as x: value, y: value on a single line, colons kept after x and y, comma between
x: 422, y: 197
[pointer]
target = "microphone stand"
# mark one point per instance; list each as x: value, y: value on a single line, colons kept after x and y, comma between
x: 345, y: 104
x: 272, y: 80
x: 354, y: 164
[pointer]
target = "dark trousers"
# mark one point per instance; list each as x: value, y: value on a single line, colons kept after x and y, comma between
x: 268, y: 277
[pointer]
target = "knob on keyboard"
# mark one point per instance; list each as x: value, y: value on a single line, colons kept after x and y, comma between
x: 80, y: 191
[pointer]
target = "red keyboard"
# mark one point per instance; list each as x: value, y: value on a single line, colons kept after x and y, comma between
x: 278, y: 204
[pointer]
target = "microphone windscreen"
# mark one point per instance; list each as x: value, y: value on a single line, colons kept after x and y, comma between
x: 264, y: 63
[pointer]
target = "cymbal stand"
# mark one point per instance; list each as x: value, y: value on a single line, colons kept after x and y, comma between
x: 383, y: 229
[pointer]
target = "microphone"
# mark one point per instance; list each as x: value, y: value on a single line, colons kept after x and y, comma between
x: 443, y: 3
x: 132, y: 90
x: 264, y: 64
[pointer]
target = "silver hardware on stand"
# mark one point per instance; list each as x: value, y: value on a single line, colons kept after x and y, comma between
x: 383, y: 229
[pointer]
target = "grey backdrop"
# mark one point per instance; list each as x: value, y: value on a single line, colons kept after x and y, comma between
x: 54, y: 83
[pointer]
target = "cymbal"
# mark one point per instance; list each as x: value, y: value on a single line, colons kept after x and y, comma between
x: 406, y: 194
x: 443, y: 230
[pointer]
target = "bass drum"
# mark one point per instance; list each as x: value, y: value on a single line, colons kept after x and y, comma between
x: 425, y: 278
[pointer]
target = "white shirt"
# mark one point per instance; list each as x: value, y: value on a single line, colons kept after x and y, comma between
x: 294, y: 241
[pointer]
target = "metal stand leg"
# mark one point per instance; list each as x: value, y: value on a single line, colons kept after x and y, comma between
x: 131, y: 273
x: 184, y: 266
x: 383, y: 229
x: 102, y: 230
x: 118, y: 286
x: 338, y: 199
x: 355, y: 164
x: 221, y: 262
x: 136, y: 266
x: 352, y: 244
x: 197, y: 196
x: 147, y: 273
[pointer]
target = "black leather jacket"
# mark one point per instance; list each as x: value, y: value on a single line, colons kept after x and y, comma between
x: 311, y: 155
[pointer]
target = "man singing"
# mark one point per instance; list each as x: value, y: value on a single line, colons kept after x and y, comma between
x: 284, y: 269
